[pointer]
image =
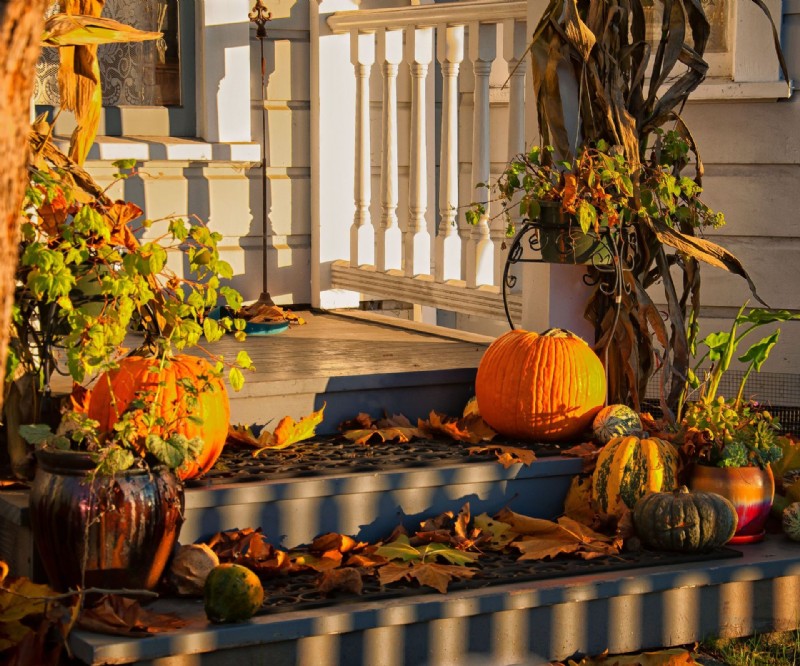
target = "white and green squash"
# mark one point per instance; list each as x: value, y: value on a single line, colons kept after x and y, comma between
x: 630, y: 467
x: 615, y: 421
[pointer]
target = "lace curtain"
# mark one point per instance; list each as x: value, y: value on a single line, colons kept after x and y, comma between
x: 138, y: 74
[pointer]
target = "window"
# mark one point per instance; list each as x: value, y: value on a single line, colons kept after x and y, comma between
x: 147, y: 74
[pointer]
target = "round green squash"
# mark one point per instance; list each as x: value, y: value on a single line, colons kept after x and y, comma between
x: 630, y: 467
x: 232, y: 593
x: 683, y: 521
x: 791, y: 521
x: 615, y: 421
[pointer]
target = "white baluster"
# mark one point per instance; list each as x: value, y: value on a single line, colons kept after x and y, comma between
x: 416, y: 239
x: 515, y: 41
x: 450, y: 53
x: 482, y: 52
x: 388, y: 238
x: 362, y: 234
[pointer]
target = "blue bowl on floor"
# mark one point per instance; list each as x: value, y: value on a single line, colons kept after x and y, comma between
x: 251, y: 328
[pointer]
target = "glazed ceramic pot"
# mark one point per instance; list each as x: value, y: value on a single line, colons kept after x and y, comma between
x: 123, y: 526
x: 750, y: 490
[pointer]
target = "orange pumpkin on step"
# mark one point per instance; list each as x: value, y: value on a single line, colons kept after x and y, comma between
x: 137, y: 374
x: 544, y: 387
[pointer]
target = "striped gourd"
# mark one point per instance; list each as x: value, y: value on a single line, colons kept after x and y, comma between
x: 630, y: 467
x: 615, y: 421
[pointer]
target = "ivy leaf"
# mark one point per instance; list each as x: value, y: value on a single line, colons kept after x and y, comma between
x: 236, y: 379
x: 243, y: 360
x: 212, y: 330
x: 172, y: 452
x: 35, y: 433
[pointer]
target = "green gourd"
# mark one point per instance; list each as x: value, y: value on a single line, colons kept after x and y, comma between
x: 684, y: 521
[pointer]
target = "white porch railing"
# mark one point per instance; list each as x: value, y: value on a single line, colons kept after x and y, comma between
x: 407, y: 232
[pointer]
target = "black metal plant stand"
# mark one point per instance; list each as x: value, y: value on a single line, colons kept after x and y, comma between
x: 608, y: 255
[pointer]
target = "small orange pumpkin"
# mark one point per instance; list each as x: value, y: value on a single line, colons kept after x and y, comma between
x: 544, y: 387
x: 136, y: 374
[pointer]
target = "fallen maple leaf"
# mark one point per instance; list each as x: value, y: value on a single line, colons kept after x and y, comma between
x: 506, y: 455
x: 471, y: 429
x: 471, y: 408
x: 288, y: 431
x: 587, y: 452
x: 345, y: 580
x: 500, y: 534
x: 121, y: 616
x: 578, y: 502
x: 541, y: 538
x: 673, y: 657
x: 430, y: 574
x: 250, y: 548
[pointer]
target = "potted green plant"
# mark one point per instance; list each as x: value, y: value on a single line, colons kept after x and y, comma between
x: 582, y: 206
x: 86, y: 286
x: 730, y: 443
x: 597, y: 79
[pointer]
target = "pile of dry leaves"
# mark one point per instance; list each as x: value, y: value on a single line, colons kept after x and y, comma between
x: 442, y: 549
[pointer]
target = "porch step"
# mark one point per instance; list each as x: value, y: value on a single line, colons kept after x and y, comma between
x: 354, y: 362
x: 364, y: 504
x: 520, y: 623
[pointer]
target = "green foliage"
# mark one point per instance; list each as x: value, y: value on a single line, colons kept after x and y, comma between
x: 722, y: 346
x: 601, y: 189
x: 734, y: 436
x: 85, y: 283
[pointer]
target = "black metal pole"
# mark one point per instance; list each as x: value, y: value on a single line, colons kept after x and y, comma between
x: 260, y: 15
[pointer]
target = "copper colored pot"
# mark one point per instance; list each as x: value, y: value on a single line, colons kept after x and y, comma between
x: 124, y: 526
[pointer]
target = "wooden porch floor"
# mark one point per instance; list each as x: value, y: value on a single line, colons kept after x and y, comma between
x: 334, y: 344
x: 353, y: 361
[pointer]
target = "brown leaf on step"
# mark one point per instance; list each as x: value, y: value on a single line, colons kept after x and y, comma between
x: 13, y: 484
x: 341, y: 580
x: 433, y: 536
x: 542, y: 547
x: 500, y: 534
x: 361, y: 422
x: 242, y: 434
x: 543, y: 538
x: 259, y: 313
x: 672, y: 657
x: 430, y: 574
x: 330, y: 560
x: 250, y: 548
x: 471, y: 429
x: 385, y: 430
x: 334, y: 541
x: 587, y: 452
x: 506, y: 455
x: 443, y: 521
x: 365, y: 560
x: 121, y: 616
x: 288, y: 432
x: 461, y: 527
x: 578, y: 503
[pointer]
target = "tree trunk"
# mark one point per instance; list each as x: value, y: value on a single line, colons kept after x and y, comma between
x: 21, y: 24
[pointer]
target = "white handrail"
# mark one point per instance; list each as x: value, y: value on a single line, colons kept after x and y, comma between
x: 427, y: 16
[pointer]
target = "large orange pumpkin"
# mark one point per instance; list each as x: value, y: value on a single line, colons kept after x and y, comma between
x: 137, y: 374
x: 544, y: 387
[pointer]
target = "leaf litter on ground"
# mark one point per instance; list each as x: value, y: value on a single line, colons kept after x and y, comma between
x: 287, y: 432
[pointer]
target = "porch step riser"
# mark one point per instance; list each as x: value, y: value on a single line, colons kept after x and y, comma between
x: 413, y: 394
x: 370, y: 506
x: 531, y: 623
